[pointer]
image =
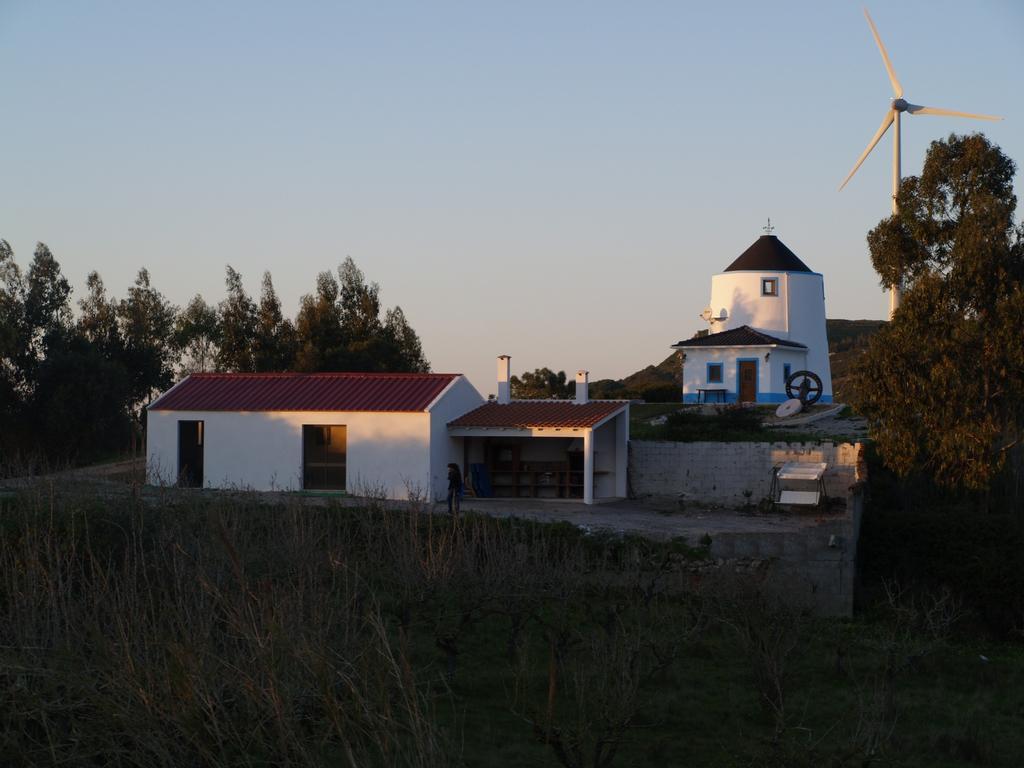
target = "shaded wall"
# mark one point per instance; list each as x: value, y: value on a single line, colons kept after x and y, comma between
x: 733, y: 474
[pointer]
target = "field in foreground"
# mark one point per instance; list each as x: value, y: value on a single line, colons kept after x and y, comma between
x: 218, y: 631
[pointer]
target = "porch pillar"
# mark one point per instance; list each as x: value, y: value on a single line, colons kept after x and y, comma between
x: 621, y: 453
x: 588, y: 467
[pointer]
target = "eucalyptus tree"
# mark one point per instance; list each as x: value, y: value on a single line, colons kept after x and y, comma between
x: 274, y: 345
x: 237, y: 321
x: 197, y: 337
x: 943, y: 385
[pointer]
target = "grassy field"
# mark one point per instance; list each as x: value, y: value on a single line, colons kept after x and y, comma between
x: 213, y: 630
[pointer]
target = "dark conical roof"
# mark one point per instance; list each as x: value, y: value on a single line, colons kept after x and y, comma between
x: 768, y: 253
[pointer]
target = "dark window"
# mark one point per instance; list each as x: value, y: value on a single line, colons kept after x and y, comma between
x: 769, y: 286
x: 785, y: 372
x: 714, y: 373
x: 323, y: 457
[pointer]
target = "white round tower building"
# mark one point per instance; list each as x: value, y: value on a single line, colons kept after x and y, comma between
x: 766, y: 300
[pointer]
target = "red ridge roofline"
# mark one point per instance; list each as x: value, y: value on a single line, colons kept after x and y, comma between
x: 335, y: 374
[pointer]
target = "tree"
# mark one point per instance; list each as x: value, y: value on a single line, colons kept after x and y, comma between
x: 196, y: 336
x: 339, y: 328
x: 321, y: 340
x: 146, y: 321
x: 80, y: 403
x: 943, y: 384
x: 12, y: 291
x: 367, y: 349
x: 274, y: 346
x: 97, y: 322
x: 542, y: 384
x: 406, y: 343
x: 237, y: 319
x: 45, y: 309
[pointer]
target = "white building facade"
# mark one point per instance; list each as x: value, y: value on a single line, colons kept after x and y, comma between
x: 352, y: 432
x: 766, y: 320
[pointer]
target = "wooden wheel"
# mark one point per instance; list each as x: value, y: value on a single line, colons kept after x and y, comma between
x: 805, y: 386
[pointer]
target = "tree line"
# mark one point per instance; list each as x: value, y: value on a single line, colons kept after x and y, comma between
x: 74, y: 384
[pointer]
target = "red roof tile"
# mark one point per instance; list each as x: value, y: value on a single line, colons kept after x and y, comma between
x: 524, y: 414
x: 392, y: 392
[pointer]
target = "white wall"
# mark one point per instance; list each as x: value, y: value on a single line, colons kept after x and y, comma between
x: 797, y: 313
x: 459, y: 398
x: 770, y: 383
x: 807, y: 325
x: 739, y: 294
x: 263, y: 451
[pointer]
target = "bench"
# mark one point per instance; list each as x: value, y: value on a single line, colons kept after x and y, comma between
x: 803, y: 498
x: 702, y: 395
x: 802, y: 474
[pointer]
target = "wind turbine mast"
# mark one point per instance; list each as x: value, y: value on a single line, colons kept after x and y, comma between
x: 892, y: 117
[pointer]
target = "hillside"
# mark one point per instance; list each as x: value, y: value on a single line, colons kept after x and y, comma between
x: 847, y: 339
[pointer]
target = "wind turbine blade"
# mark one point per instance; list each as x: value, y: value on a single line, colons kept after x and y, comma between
x: 877, y: 137
x: 896, y: 87
x: 916, y: 109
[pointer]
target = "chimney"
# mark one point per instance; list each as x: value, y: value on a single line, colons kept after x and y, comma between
x: 582, y: 387
x: 504, y: 379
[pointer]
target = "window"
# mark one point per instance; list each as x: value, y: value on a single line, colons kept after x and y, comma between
x: 323, y: 457
x: 769, y: 286
x: 785, y: 372
x: 714, y: 373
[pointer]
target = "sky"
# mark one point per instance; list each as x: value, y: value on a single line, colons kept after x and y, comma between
x: 555, y: 181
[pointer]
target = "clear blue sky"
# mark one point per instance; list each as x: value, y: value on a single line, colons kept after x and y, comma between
x: 554, y: 181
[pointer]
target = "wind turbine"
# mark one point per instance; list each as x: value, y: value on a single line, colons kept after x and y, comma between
x: 892, y: 117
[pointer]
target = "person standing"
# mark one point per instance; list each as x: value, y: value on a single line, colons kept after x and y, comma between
x: 454, y: 489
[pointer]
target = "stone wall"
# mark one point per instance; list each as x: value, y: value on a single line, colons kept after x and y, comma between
x: 817, y: 566
x: 733, y: 474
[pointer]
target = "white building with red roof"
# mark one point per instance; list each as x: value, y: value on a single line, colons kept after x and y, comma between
x: 553, y: 449
x: 354, y: 432
x: 393, y: 434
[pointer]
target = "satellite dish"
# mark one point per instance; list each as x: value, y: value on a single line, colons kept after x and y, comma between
x: 789, y: 408
x: 706, y: 314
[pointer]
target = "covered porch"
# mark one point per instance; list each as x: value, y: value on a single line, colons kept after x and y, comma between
x: 558, y: 450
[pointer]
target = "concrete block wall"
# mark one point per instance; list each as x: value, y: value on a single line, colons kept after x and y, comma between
x: 733, y: 474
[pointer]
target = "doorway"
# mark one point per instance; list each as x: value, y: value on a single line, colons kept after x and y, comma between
x: 190, y: 454
x: 748, y: 381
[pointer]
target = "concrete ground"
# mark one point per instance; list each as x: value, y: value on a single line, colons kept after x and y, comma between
x: 656, y: 519
x: 653, y: 520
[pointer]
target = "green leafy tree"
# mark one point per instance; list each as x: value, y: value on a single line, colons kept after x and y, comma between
x: 237, y: 318
x: 12, y: 290
x: 321, y: 340
x: 97, y: 320
x: 46, y: 310
x: 146, y: 320
x: 542, y: 383
x: 367, y: 349
x: 275, y: 343
x: 79, y: 410
x: 405, y: 342
x: 943, y: 384
x: 339, y: 328
x: 196, y: 336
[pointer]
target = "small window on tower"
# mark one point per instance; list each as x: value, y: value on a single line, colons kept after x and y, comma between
x: 769, y: 286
